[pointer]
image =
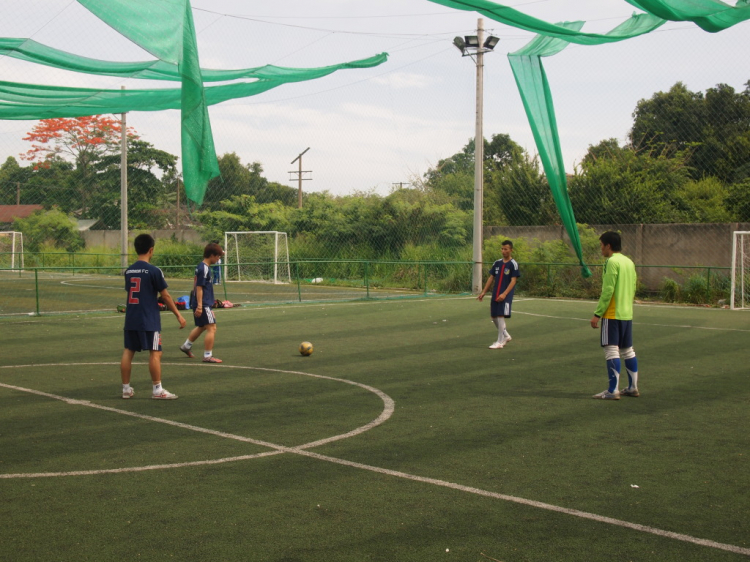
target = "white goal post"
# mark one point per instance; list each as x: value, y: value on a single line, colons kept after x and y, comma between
x: 740, y: 298
x: 259, y: 255
x: 11, y: 250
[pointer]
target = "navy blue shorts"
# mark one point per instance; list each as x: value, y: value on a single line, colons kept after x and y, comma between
x: 617, y: 332
x: 501, y: 308
x: 137, y: 340
x: 206, y: 318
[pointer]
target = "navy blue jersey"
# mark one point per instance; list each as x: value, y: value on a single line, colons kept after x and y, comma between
x: 202, y: 279
x: 143, y: 282
x: 503, y: 272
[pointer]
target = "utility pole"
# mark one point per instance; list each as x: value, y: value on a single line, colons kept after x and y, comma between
x: 18, y: 193
x: 299, y: 173
x: 123, y: 192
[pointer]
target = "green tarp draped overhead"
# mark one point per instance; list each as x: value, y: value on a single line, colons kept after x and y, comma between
x: 528, y: 71
x: 163, y: 28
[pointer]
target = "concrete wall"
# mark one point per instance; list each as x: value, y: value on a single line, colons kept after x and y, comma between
x: 111, y: 238
x: 677, y: 245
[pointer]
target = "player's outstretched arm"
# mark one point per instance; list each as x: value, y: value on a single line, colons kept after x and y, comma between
x: 167, y: 298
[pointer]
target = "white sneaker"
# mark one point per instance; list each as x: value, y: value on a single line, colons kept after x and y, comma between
x: 498, y: 345
x: 506, y: 338
x: 164, y: 395
x: 128, y: 393
x: 607, y: 395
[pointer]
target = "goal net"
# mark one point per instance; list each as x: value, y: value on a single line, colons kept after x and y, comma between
x: 256, y: 256
x: 740, y: 271
x: 11, y: 250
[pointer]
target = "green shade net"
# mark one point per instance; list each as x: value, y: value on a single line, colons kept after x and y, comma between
x: 31, y: 101
x: 709, y: 15
x: 512, y: 17
x: 166, y: 30
x: 528, y: 71
x: 31, y: 51
x: 537, y: 101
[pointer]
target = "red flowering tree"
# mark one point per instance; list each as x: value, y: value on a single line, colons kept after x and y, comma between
x: 84, y: 140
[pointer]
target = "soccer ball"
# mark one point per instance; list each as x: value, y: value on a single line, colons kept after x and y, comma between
x: 306, y: 348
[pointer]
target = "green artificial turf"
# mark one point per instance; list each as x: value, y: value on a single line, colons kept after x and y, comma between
x: 476, y: 436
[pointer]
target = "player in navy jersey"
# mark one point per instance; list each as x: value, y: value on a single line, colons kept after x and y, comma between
x: 143, y: 282
x: 504, y: 273
x: 202, y: 302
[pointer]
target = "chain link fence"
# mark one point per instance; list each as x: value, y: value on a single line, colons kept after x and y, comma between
x: 673, y: 176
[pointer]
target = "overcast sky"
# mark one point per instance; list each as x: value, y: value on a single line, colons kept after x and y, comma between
x: 372, y: 128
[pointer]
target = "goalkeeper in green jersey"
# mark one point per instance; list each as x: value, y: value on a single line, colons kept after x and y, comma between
x: 615, y: 309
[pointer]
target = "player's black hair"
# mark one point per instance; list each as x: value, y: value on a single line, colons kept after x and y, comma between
x: 613, y: 239
x: 143, y: 243
x: 212, y: 249
x: 507, y: 243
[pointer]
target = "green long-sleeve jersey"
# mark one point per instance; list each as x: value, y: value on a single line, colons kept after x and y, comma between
x: 618, y: 288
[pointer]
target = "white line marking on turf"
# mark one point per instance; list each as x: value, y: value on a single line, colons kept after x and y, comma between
x: 388, y: 404
x: 637, y: 323
x: 301, y: 450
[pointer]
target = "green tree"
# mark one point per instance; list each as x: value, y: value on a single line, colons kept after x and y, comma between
x: 713, y: 129
x: 52, y: 227
x: 704, y: 200
x: 239, y: 179
x: 152, y: 185
x: 620, y: 185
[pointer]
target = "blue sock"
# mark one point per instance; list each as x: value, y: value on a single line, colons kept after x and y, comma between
x: 631, y: 365
x: 613, y: 372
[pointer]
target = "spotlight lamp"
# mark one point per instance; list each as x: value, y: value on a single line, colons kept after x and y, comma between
x: 460, y: 44
x: 491, y: 42
x: 472, y: 41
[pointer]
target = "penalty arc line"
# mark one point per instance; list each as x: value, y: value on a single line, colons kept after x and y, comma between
x: 301, y: 450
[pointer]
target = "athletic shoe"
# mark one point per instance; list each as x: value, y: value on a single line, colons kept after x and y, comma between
x: 607, y: 395
x: 187, y: 352
x: 498, y: 345
x: 212, y: 359
x: 507, y: 338
x: 164, y: 395
x: 127, y: 393
x: 630, y: 392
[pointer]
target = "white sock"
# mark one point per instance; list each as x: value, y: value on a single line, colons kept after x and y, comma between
x: 188, y: 344
x: 157, y: 388
x: 126, y: 387
x: 207, y: 354
x: 500, y: 328
x: 505, y: 333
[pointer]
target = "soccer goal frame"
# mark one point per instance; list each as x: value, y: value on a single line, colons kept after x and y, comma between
x: 13, y: 258
x: 263, y: 257
x: 740, y: 297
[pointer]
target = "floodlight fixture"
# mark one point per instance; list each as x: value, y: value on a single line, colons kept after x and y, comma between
x: 460, y: 44
x: 491, y: 42
x: 472, y: 41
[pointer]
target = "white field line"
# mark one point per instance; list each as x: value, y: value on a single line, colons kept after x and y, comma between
x: 638, y: 323
x: 301, y: 450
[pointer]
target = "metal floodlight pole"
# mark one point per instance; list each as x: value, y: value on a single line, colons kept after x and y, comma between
x: 123, y: 192
x: 469, y: 46
x: 476, y: 277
